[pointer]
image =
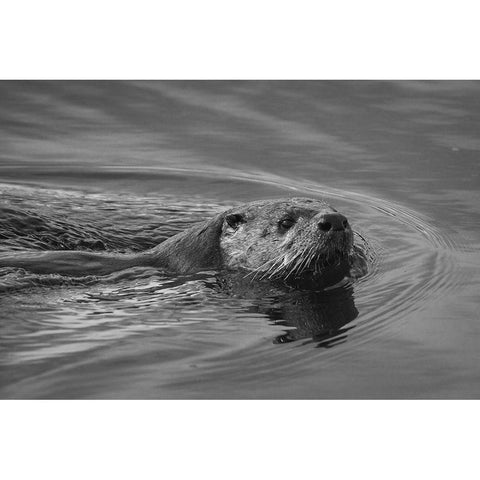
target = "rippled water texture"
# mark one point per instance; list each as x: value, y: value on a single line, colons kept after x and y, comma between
x: 120, y: 166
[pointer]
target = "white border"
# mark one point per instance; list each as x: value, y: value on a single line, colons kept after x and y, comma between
x: 305, y: 39
x: 239, y: 440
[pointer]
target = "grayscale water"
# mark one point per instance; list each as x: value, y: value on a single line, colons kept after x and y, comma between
x: 120, y: 166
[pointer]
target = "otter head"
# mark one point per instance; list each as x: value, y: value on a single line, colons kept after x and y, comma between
x: 284, y: 239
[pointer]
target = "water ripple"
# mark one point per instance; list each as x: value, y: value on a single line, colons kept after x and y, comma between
x: 411, y: 262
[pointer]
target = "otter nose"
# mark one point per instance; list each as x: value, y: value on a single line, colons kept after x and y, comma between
x: 332, y: 222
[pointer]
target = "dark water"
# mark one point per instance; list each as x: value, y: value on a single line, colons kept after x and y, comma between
x: 120, y: 166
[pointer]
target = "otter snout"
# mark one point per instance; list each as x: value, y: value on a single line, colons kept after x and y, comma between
x: 332, y: 221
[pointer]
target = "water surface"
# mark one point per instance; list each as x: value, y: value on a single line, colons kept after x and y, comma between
x: 120, y: 166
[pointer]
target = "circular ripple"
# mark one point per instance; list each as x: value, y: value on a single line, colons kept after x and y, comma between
x: 411, y: 262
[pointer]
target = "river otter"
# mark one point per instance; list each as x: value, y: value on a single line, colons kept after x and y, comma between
x: 289, y: 239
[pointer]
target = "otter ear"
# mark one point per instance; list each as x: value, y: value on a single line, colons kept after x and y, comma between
x: 234, y: 219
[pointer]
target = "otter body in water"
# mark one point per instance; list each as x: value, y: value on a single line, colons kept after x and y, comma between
x: 289, y: 239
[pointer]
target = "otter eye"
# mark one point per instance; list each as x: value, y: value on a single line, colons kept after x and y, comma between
x: 234, y: 219
x: 286, y: 223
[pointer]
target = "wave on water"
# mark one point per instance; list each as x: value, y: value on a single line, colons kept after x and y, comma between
x: 404, y: 263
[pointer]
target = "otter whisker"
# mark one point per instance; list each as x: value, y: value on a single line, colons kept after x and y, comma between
x: 311, y: 254
x: 271, y: 260
x: 258, y: 269
x: 276, y: 264
x: 292, y: 270
x: 285, y: 265
x: 300, y: 259
x: 306, y: 260
x: 279, y: 267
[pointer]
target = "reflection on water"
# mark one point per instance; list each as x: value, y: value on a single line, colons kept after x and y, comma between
x: 120, y: 166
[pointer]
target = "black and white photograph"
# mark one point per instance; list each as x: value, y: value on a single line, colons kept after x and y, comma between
x: 239, y: 240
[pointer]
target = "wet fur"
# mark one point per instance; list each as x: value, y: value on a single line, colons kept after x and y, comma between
x: 260, y: 246
x: 255, y: 246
